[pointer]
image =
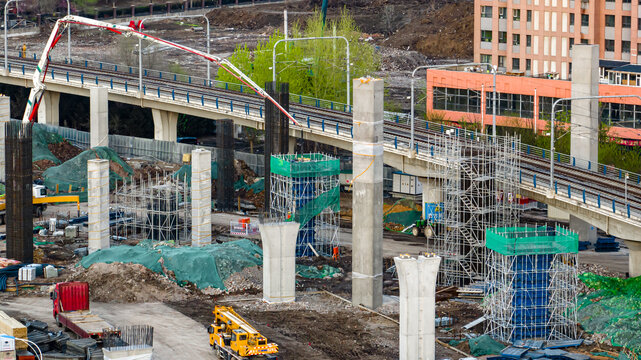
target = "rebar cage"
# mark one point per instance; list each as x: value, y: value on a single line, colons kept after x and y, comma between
x: 152, y: 207
x: 305, y: 188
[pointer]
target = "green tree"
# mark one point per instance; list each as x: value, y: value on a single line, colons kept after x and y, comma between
x: 313, y: 68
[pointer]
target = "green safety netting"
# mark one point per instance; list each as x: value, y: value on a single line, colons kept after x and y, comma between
x: 2, y: 189
x: 41, y: 139
x: 71, y: 176
x: 329, y: 199
x: 404, y: 218
x: 304, y: 165
x: 206, y: 266
x: 485, y: 345
x: 257, y: 187
x: 317, y: 272
x: 531, y: 240
x: 185, y: 172
x: 614, y: 309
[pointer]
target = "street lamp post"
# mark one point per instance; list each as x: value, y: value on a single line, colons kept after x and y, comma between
x: 313, y: 38
x: 164, y: 18
x: 6, y: 49
x: 429, y: 67
x: 553, y: 117
x: 68, y: 34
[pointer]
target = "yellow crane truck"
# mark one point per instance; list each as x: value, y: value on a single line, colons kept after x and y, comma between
x: 233, y: 338
x: 40, y: 201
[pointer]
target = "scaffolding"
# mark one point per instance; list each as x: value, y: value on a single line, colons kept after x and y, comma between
x: 533, y: 283
x: 479, y: 189
x: 152, y: 207
x: 305, y: 189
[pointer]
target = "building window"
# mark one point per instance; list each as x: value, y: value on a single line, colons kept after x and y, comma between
x: 627, y: 1
x: 486, y: 35
x: 486, y: 59
x: 516, y: 14
x: 638, y: 49
x: 528, y: 64
x: 609, y: 20
x: 486, y: 11
x: 626, y: 22
x: 464, y: 100
x: 625, y: 47
x: 609, y: 45
x: 516, y: 64
x: 502, y: 37
x: 501, y: 61
x: 571, y: 43
x: 584, y: 41
x: 516, y: 39
x: 639, y: 23
x: 529, y: 16
x: 585, y: 20
x: 513, y: 105
x: 571, y: 19
x: 502, y: 13
x: 528, y: 40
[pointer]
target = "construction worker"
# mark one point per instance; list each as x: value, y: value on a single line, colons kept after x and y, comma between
x: 24, y: 51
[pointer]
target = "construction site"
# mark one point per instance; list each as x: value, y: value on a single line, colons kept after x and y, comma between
x: 315, y: 239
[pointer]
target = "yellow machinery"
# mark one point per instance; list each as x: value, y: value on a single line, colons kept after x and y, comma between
x: 40, y: 201
x: 233, y: 338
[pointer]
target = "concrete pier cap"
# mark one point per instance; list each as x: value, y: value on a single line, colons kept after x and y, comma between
x: 279, y: 260
x: 417, y: 311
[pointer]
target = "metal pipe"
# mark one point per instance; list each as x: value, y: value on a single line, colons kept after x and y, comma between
x: 68, y: 34
x: 207, y: 34
x: 6, y: 50
x: 553, y: 117
x: 314, y: 38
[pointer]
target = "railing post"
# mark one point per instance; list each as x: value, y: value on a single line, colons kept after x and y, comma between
x: 308, y: 123
x: 323, y: 125
x: 173, y: 94
x: 534, y: 180
x: 125, y: 86
x: 111, y: 83
x: 598, y: 200
x: 202, y: 100
x: 569, y: 191
x: 158, y: 92
x: 187, y: 97
x: 82, y: 79
x: 67, y: 75
x: 584, y: 196
x: 231, y: 105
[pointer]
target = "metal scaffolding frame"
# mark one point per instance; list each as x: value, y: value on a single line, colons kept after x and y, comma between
x: 533, y: 294
x: 152, y: 207
x: 479, y: 190
x: 309, y: 194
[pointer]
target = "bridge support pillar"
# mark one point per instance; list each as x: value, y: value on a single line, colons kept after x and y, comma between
x: 279, y: 262
x: 5, y: 117
x: 200, y: 197
x: 165, y: 125
x: 98, y: 205
x: 432, y: 193
x: 635, y: 257
x: 417, y: 309
x: 292, y: 145
x: 367, y: 232
x: 99, y: 116
x: 49, y: 109
x: 555, y: 213
x: 584, y: 135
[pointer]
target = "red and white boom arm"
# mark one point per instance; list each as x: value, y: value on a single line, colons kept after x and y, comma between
x: 41, y: 69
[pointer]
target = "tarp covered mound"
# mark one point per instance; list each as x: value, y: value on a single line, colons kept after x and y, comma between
x: 614, y: 309
x: 207, y: 266
x: 41, y: 139
x: 404, y: 212
x: 74, y: 172
x: 184, y: 173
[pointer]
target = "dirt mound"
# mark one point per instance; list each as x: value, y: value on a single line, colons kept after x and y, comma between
x: 38, y: 167
x: 64, y: 150
x: 242, y: 169
x: 128, y: 283
x: 244, y: 19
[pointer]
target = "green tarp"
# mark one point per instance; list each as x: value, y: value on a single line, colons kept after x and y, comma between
x: 316, y: 272
x: 41, y: 139
x: 329, y: 199
x: 614, y: 309
x: 304, y: 165
x: 185, y: 172
x: 206, y: 266
x: 485, y: 345
x: 511, y: 241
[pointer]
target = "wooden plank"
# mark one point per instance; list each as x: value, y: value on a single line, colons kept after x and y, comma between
x: 13, y: 327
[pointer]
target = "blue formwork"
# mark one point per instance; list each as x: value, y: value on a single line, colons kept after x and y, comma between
x: 304, y: 192
x: 530, y: 296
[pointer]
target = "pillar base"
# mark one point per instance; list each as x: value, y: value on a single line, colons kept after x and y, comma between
x: 165, y: 125
x: 634, y: 261
x: 279, y: 261
x: 586, y: 231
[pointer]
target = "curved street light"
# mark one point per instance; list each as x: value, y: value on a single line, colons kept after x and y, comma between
x: 6, y: 60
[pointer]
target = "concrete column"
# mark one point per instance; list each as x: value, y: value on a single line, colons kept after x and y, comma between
x: 5, y: 116
x: 279, y: 261
x: 367, y: 198
x: 584, y: 136
x: 432, y: 192
x: 291, y: 145
x: 557, y: 214
x: 98, y: 203
x: 200, y: 197
x: 99, y: 116
x: 165, y: 125
x: 417, y: 290
x: 49, y: 108
x: 635, y: 257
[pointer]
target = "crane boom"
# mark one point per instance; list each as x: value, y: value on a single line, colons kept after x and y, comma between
x: 41, y: 69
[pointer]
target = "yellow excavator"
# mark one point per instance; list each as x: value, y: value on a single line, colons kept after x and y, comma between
x: 40, y: 201
x: 233, y: 338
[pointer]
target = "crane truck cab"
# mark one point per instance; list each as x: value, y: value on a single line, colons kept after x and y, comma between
x: 234, y: 338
